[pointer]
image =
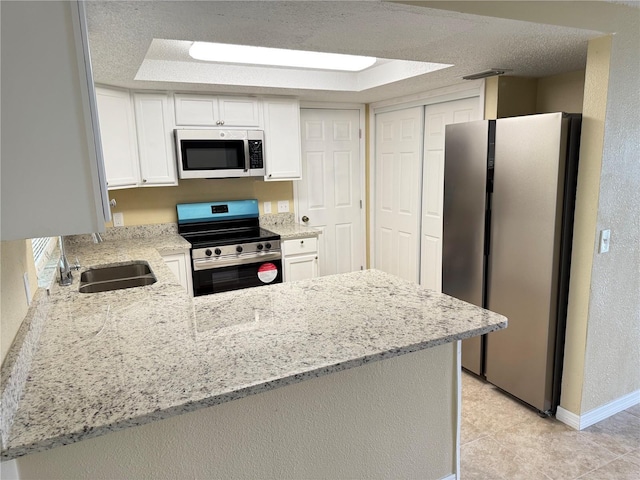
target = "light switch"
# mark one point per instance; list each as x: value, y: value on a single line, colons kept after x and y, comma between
x: 283, y: 206
x: 118, y: 219
x: 605, y: 237
x: 266, y: 207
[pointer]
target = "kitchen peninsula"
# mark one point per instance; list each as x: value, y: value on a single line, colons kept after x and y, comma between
x: 154, y: 359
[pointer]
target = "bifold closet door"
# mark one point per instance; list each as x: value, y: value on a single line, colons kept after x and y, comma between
x: 398, y: 172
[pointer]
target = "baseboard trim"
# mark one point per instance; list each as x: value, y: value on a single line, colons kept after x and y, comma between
x: 580, y: 422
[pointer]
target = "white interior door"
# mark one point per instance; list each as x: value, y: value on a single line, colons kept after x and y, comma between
x: 397, y: 192
x: 330, y: 193
x: 436, y: 117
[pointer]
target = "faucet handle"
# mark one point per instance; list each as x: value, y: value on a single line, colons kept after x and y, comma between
x: 76, y: 266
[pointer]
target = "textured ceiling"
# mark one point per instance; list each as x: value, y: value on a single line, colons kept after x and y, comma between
x: 120, y: 34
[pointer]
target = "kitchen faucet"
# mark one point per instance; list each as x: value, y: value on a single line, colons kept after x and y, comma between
x: 66, y: 278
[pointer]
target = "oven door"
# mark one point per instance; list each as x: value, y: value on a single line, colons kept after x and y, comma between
x: 235, y: 277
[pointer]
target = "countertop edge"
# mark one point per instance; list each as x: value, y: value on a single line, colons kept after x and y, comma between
x: 16, y: 452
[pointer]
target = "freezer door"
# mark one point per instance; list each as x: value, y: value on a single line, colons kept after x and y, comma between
x: 524, y: 254
x: 465, y: 176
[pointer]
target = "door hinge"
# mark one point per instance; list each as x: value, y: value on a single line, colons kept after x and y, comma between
x: 361, y: 204
x: 359, y: 133
x: 361, y: 267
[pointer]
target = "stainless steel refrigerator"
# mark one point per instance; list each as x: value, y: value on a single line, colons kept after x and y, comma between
x: 509, y: 198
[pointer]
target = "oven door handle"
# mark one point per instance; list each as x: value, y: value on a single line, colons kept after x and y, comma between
x: 210, y: 263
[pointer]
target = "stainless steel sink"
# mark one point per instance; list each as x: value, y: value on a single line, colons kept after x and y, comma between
x: 116, y: 277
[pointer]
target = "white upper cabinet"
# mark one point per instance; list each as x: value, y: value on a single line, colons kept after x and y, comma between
x: 51, y: 166
x: 118, y: 134
x: 282, y: 139
x: 136, y: 132
x: 215, y: 111
x: 154, y: 127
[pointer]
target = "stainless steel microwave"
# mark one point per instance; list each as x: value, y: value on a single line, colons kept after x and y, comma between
x: 217, y: 153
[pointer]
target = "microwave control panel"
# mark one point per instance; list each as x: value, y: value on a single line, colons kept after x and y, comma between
x: 255, y: 154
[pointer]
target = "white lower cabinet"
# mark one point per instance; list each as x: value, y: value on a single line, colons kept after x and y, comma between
x: 180, y: 264
x: 300, y: 259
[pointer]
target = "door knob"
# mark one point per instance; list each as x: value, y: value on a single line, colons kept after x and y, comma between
x: 305, y: 219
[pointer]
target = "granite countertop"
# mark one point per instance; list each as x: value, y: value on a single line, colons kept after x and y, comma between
x: 286, y: 226
x: 293, y: 231
x: 111, y: 360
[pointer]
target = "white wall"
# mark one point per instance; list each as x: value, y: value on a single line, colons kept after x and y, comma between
x: 394, y: 418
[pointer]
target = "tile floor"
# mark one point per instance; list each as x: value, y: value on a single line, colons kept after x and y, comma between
x: 502, y: 439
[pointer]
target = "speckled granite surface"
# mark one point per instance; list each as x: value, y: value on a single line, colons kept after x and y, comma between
x: 112, y: 360
x: 293, y: 231
x: 284, y: 224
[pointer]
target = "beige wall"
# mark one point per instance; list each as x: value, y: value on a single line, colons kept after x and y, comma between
x: 561, y: 93
x: 594, y: 110
x: 507, y: 96
x: 16, y: 258
x: 491, y: 98
x: 516, y: 96
x: 152, y: 205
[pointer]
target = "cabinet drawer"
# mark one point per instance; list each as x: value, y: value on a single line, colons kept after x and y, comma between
x: 300, y: 245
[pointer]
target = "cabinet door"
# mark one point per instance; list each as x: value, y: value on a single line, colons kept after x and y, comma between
x: 239, y: 112
x: 51, y: 168
x: 300, y: 267
x: 282, y: 139
x: 118, y: 135
x: 180, y: 265
x: 196, y: 110
x: 155, y: 146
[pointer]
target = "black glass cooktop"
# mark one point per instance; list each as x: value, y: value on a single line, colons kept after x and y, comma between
x: 230, y: 237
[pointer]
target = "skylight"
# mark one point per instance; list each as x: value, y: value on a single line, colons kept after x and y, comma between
x: 278, y: 57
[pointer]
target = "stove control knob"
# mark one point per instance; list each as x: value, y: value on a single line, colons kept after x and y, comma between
x: 268, y: 245
x: 239, y: 249
x: 207, y: 252
x: 217, y: 251
x: 259, y: 246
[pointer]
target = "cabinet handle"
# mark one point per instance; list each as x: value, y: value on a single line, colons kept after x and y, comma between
x: 221, y: 122
x: 301, y: 242
x: 305, y: 219
x: 144, y: 180
x: 217, y: 122
x: 269, y: 175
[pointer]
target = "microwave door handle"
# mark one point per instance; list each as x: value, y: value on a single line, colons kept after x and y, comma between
x: 246, y: 155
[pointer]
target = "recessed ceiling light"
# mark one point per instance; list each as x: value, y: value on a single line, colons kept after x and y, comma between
x: 279, y: 57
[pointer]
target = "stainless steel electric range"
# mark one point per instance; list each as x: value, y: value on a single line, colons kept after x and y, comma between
x: 229, y: 249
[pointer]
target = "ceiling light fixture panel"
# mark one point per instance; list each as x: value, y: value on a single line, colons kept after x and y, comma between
x: 278, y: 57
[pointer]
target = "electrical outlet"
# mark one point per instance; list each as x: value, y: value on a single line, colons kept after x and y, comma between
x: 605, y: 237
x: 266, y: 207
x: 283, y: 206
x: 118, y: 219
